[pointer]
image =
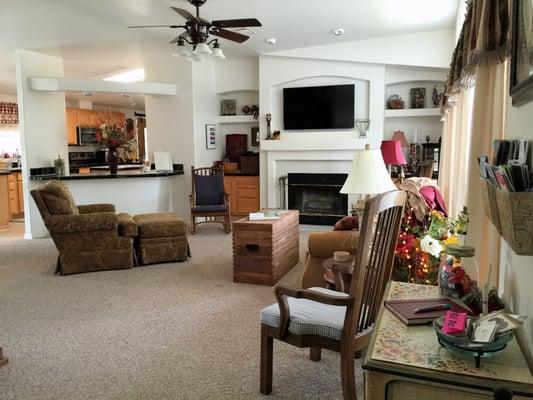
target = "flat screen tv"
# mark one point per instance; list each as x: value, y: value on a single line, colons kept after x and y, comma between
x: 319, y: 107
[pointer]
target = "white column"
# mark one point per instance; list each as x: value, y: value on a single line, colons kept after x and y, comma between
x: 169, y: 119
x: 42, y: 127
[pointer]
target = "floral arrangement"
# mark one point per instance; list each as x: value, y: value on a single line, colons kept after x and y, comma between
x: 115, y: 135
x: 419, y: 248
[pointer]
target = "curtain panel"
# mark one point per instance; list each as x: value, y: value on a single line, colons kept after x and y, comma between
x: 485, y: 39
x: 9, y: 113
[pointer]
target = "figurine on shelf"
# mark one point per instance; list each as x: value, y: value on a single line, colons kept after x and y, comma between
x: 269, y: 121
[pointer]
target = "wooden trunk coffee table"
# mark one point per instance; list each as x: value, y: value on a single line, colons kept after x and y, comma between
x: 264, y: 251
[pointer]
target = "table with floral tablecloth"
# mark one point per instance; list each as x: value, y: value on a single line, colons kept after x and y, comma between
x: 397, y: 349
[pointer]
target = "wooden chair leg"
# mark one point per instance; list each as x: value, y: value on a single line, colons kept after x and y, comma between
x: 193, y: 225
x: 227, y: 223
x: 348, y: 376
x: 267, y: 347
x: 315, y: 353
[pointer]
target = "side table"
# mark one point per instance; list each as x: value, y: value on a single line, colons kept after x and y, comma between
x: 407, y: 362
x: 330, y: 277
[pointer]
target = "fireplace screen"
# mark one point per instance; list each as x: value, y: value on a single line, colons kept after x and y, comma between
x: 317, y: 197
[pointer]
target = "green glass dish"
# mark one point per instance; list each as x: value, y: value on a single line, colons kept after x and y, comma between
x: 466, y: 348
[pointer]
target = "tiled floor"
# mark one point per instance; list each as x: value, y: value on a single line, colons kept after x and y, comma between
x: 15, y: 230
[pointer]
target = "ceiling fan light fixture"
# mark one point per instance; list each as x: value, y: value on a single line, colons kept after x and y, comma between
x: 217, y: 51
x: 203, y: 48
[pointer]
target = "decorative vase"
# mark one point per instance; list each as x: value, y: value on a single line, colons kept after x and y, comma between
x: 112, y: 160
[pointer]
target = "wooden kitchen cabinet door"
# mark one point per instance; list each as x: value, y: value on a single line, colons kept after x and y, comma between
x: 230, y: 188
x: 20, y: 193
x: 71, y: 124
x: 14, y: 208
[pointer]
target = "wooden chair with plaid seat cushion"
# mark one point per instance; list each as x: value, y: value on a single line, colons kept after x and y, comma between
x: 321, y: 318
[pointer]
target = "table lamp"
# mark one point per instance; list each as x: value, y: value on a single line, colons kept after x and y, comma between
x: 393, y: 155
x: 368, y: 174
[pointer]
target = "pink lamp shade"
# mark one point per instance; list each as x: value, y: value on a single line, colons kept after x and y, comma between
x: 392, y: 152
x: 400, y: 135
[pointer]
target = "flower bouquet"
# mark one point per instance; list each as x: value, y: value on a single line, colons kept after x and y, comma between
x: 113, y: 137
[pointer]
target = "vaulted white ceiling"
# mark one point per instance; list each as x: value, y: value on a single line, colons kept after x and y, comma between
x: 93, y: 38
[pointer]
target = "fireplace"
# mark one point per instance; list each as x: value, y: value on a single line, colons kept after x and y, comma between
x: 317, y: 197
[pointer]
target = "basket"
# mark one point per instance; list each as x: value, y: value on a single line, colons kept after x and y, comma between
x: 488, y: 196
x: 512, y: 215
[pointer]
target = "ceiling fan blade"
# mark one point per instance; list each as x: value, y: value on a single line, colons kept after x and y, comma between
x: 184, y: 13
x: 236, y: 23
x: 233, y: 36
x: 156, y: 26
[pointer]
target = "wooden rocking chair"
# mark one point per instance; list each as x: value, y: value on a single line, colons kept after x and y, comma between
x: 208, y: 198
x: 321, y: 318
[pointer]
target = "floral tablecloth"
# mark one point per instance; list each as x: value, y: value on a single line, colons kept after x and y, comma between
x: 417, y: 346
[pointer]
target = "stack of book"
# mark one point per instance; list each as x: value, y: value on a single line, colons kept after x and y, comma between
x: 509, y: 169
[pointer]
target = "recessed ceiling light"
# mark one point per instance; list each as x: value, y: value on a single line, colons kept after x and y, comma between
x: 338, y: 31
x: 125, y: 95
x: 271, y: 41
x: 88, y: 94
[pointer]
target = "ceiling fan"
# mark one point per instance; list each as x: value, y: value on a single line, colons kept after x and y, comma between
x: 195, y: 41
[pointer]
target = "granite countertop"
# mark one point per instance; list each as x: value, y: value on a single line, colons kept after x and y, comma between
x: 238, y: 172
x: 7, y: 171
x: 106, y: 175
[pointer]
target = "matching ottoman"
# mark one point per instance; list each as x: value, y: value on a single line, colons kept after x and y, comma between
x: 162, y: 237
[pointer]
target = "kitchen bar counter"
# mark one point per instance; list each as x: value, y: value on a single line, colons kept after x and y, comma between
x: 106, y: 175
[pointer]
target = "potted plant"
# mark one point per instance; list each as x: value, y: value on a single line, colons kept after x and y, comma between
x: 114, y: 137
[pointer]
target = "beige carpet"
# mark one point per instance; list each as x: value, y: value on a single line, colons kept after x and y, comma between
x: 171, y: 331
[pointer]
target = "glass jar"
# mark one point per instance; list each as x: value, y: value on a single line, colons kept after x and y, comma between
x: 453, y: 280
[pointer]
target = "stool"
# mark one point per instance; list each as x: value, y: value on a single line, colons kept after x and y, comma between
x: 162, y: 237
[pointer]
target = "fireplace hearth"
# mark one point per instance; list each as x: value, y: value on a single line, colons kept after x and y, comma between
x: 317, y: 197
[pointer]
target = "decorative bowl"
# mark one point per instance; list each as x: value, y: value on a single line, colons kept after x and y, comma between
x: 465, y: 347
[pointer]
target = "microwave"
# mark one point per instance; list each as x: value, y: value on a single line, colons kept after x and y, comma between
x: 86, y: 136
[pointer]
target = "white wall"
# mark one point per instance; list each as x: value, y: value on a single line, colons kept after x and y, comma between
x: 42, y: 126
x: 206, y: 111
x: 277, y: 73
x: 170, y: 119
x: 426, y: 49
x: 236, y: 74
x: 516, y: 272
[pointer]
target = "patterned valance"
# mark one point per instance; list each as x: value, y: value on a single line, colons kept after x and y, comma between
x: 9, y: 113
x: 485, y: 39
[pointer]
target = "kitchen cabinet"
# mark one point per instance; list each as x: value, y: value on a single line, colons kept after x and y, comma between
x: 90, y: 118
x: 5, y: 215
x: 16, y: 198
x: 243, y: 193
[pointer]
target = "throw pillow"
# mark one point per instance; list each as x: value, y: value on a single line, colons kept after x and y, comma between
x: 58, y: 199
x: 348, y: 223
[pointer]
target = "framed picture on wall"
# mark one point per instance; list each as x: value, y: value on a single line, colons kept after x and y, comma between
x: 255, y: 136
x: 210, y: 136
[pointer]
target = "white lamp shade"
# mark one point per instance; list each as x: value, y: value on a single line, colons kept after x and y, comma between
x: 203, y: 48
x: 218, y: 53
x: 181, y: 51
x: 368, y: 174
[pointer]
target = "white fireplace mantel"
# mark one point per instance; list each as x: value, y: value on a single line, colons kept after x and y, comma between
x: 280, y: 157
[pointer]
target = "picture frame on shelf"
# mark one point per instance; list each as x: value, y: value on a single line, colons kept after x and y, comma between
x: 210, y: 136
x: 418, y: 97
x: 255, y: 136
x: 228, y: 107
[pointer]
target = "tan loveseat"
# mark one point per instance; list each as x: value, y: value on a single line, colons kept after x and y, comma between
x: 322, y: 245
x: 87, y: 237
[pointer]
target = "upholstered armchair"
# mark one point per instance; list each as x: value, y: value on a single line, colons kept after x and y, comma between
x: 209, y: 200
x: 87, y: 237
x: 321, y: 246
